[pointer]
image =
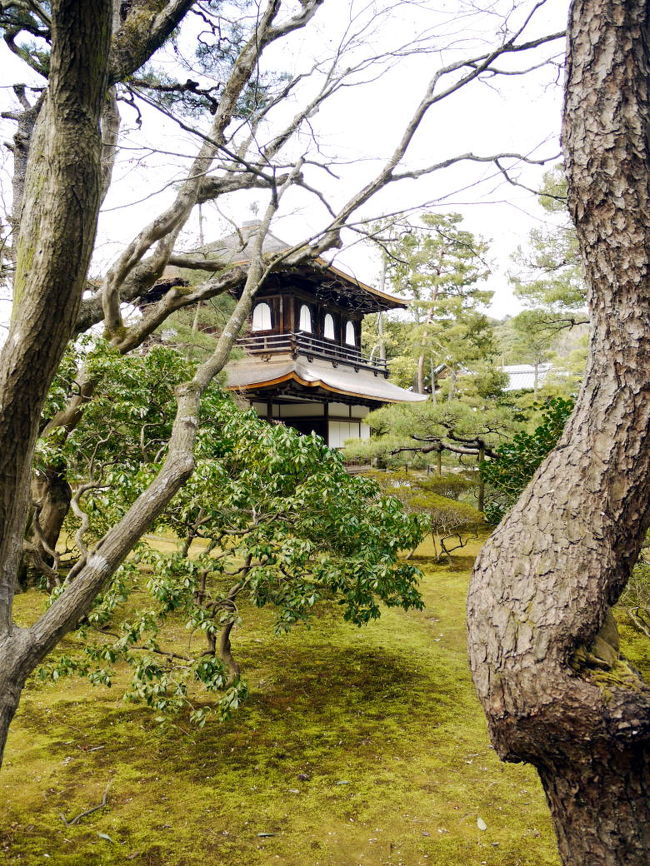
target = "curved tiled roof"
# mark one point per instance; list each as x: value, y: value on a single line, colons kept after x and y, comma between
x: 248, y: 375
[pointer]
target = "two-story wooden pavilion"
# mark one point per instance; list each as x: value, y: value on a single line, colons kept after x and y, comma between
x: 303, y: 364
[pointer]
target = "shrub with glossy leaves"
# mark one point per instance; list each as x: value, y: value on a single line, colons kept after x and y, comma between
x: 269, y: 518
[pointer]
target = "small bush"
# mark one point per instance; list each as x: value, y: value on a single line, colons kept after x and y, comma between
x: 450, y: 485
x: 449, y: 519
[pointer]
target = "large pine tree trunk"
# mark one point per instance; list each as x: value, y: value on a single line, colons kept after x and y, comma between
x: 600, y: 804
x: 544, y: 650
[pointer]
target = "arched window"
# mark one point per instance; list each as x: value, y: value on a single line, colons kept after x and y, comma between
x: 262, y: 317
x: 305, y: 319
x: 328, y: 327
x: 350, y: 336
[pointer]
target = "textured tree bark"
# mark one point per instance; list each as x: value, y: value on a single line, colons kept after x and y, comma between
x: 13, y: 673
x: 543, y: 644
x: 57, y: 229
x: 148, y: 25
x: 600, y: 806
x: 20, y: 149
x: 52, y: 495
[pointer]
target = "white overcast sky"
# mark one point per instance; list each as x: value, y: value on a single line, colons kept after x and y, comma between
x: 361, y: 126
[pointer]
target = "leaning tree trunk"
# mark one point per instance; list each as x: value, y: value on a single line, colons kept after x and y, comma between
x: 57, y: 228
x: 543, y: 644
x: 480, y: 457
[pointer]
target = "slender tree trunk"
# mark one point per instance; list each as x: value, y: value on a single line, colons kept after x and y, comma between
x: 195, y: 321
x: 53, y: 495
x: 452, y: 385
x: 420, y: 375
x: 224, y: 650
x: 543, y: 644
x: 481, y: 483
x: 14, y: 670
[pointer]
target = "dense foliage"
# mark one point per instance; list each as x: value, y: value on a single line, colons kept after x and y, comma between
x: 454, y: 434
x: 269, y: 518
x: 517, y: 460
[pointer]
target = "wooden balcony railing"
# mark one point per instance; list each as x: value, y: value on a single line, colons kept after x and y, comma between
x: 301, y: 343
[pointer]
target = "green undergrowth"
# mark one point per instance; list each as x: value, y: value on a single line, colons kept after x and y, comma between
x: 357, y: 747
x: 634, y: 645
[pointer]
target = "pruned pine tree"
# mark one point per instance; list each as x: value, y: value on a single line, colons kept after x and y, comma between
x: 550, y: 276
x: 439, y: 266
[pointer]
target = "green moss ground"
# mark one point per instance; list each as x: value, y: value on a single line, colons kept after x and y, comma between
x: 357, y: 746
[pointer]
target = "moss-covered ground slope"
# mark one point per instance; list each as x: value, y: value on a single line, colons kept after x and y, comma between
x: 357, y: 746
